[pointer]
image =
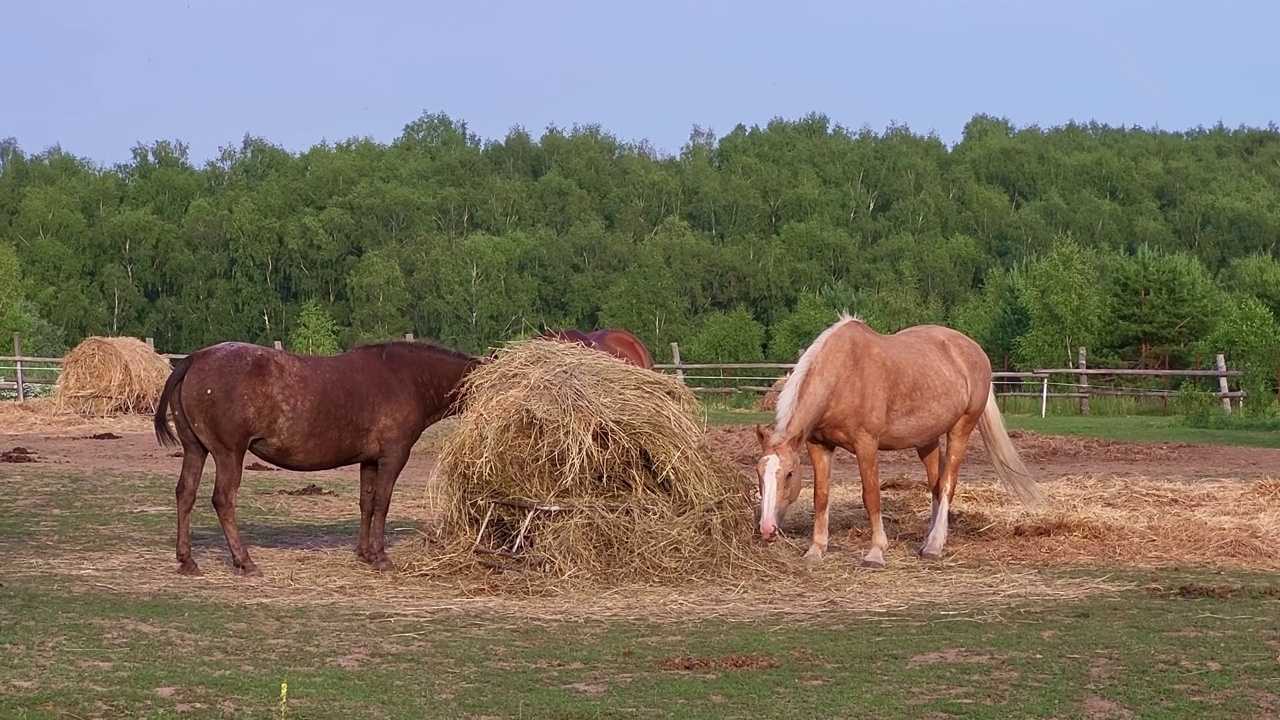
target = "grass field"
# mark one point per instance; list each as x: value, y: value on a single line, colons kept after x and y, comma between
x: 1186, y: 647
x: 79, y: 641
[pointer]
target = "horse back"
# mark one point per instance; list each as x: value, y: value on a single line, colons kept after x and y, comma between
x: 298, y: 410
x: 905, y: 387
x: 624, y: 345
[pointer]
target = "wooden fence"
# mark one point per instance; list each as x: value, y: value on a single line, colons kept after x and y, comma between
x: 19, y: 373
x: 1066, y: 382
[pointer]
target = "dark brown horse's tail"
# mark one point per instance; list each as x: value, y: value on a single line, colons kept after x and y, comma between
x: 164, y: 433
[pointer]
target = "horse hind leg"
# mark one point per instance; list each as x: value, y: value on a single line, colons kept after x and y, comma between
x: 368, y: 483
x: 931, y: 456
x: 957, y: 443
x: 389, y: 468
x: 194, y: 455
x: 228, y: 464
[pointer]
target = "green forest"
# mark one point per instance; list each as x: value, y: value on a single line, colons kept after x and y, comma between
x: 1151, y: 248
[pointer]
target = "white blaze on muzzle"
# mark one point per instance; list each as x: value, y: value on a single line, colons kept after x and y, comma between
x: 769, y: 492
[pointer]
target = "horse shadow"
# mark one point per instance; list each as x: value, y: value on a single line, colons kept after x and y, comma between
x: 302, y: 536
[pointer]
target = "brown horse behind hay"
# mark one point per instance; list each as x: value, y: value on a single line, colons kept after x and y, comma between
x: 618, y: 343
x: 857, y: 389
x: 366, y: 406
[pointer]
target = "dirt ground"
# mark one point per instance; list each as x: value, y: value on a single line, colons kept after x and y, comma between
x: 129, y: 448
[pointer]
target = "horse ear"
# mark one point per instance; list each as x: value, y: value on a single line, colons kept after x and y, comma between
x: 762, y: 436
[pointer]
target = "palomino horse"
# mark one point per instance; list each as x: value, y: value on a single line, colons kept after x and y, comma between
x: 857, y: 389
x: 618, y: 343
x: 368, y: 405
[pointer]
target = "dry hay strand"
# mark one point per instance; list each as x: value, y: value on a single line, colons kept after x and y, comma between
x: 107, y: 376
x: 769, y: 402
x: 620, y: 447
x: 1132, y: 522
x: 42, y: 415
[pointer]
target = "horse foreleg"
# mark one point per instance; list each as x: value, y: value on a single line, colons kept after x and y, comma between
x: 957, y: 442
x: 931, y: 457
x: 368, y: 482
x: 229, y: 469
x: 869, y: 469
x: 389, y: 468
x: 193, y: 458
x: 820, y: 457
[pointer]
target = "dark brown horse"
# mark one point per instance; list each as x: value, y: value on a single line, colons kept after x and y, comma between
x: 618, y: 343
x: 367, y: 406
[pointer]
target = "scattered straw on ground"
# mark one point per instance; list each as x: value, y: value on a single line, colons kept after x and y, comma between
x: 42, y: 415
x: 332, y: 577
x: 622, y: 449
x: 999, y: 555
x: 1140, y: 523
x: 105, y: 376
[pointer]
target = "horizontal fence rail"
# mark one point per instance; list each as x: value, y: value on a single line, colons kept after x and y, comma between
x: 21, y: 373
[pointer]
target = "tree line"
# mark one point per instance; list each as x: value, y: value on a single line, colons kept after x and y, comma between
x: 1152, y: 248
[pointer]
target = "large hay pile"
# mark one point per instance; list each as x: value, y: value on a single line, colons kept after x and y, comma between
x: 556, y: 423
x: 105, y: 376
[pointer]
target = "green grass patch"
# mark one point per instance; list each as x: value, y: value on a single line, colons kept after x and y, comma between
x: 1142, y: 429
x: 1203, y: 646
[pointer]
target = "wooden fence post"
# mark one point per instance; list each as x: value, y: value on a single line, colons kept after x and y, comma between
x: 151, y: 343
x: 17, y: 354
x: 408, y: 336
x: 1221, y: 361
x: 276, y: 345
x: 675, y: 360
x: 1083, y: 382
x: 1044, y: 396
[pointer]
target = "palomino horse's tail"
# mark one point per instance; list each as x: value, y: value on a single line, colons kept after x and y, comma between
x: 1005, y: 456
x: 164, y: 434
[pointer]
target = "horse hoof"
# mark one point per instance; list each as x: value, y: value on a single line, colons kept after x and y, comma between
x: 383, y: 564
x: 813, y: 557
x: 249, y: 570
x: 873, y: 564
x: 189, y: 569
x: 929, y: 555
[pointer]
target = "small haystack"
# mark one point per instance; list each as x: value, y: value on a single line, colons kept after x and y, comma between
x: 106, y: 376
x: 619, y: 450
x: 769, y: 402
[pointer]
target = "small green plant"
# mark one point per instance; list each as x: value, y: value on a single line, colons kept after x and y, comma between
x: 1198, y: 407
x: 284, y: 698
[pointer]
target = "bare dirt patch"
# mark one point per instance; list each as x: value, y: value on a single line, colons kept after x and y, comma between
x: 1097, y: 708
x: 950, y: 656
x: 688, y: 663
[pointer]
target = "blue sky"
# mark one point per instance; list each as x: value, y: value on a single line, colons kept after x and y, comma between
x: 100, y: 77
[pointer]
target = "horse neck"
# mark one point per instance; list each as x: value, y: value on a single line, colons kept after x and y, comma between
x: 435, y: 373
x: 811, y: 403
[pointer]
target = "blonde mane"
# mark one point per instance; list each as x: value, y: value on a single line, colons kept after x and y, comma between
x: 790, y: 393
